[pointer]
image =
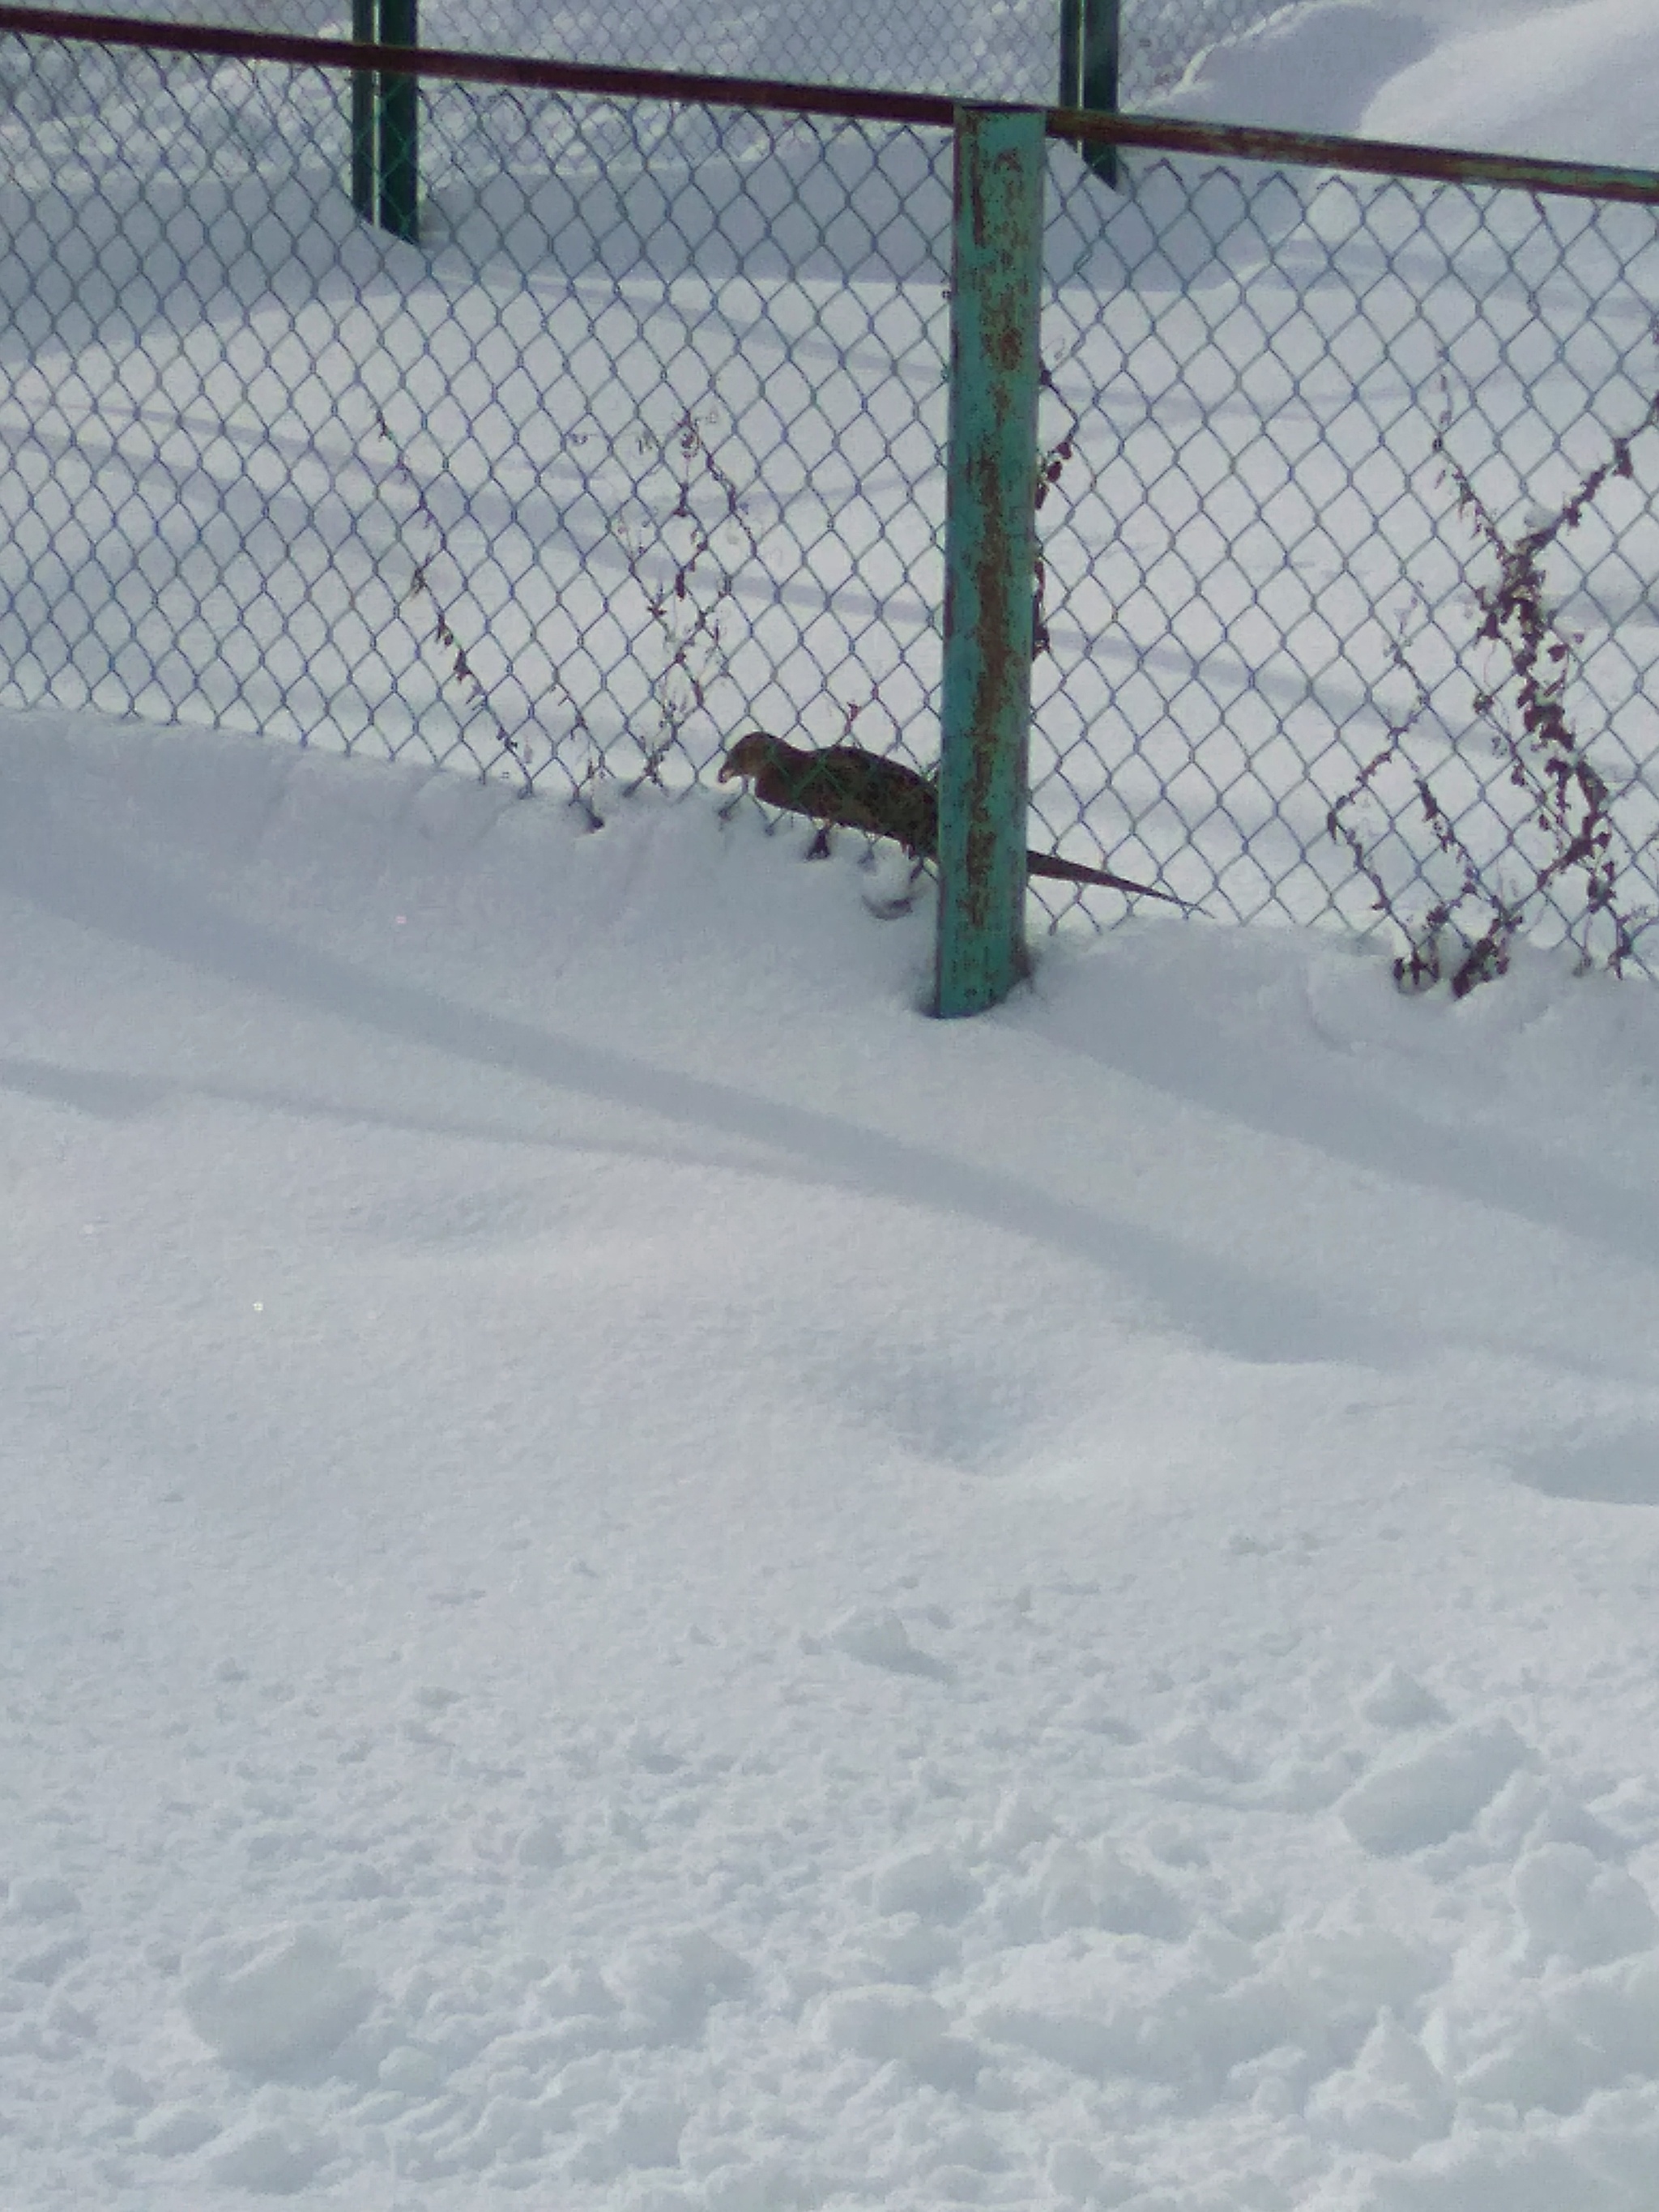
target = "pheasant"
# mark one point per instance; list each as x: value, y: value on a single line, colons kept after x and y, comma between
x: 844, y: 785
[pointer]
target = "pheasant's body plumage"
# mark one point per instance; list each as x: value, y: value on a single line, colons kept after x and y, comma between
x: 843, y: 784
x: 857, y: 790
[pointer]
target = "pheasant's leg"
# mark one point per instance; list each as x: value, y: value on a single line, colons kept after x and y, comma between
x: 890, y: 910
x: 819, y: 848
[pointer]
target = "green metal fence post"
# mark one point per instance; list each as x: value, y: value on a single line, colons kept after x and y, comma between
x: 1069, y: 92
x: 400, y: 106
x: 1089, y: 46
x: 363, y: 30
x: 990, y: 554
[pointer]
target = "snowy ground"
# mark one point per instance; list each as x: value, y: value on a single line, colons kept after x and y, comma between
x: 1569, y: 79
x: 634, y: 1574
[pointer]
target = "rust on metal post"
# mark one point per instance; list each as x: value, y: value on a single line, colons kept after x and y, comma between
x: 990, y: 552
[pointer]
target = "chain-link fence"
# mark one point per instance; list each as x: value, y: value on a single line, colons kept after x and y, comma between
x: 1327, y: 544
x: 641, y: 448
x: 977, y: 49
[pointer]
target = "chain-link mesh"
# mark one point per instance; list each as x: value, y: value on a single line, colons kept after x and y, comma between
x: 1318, y: 427
x: 978, y: 49
x: 641, y: 449
x: 640, y: 446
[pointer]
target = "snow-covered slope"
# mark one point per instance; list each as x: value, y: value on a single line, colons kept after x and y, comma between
x: 1575, y: 82
x: 636, y: 1576
x: 1569, y: 78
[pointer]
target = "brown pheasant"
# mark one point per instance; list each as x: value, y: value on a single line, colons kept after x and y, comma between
x: 844, y: 785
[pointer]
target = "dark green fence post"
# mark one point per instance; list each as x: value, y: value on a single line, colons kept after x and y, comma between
x: 400, y: 105
x: 990, y: 554
x: 362, y: 115
x: 1088, y: 70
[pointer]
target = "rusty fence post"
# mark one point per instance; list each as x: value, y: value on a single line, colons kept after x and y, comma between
x: 990, y: 554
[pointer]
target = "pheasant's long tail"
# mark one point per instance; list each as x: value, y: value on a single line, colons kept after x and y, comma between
x: 1073, y: 872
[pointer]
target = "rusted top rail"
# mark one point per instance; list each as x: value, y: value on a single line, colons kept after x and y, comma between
x: 1386, y: 157
x: 936, y: 111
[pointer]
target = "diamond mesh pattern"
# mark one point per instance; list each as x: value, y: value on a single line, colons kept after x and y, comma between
x: 642, y: 447
x: 993, y: 50
x: 1257, y: 573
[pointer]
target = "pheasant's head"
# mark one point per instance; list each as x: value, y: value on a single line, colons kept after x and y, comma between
x: 748, y: 756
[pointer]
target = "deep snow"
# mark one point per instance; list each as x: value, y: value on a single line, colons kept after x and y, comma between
x: 634, y: 1573
x: 1570, y: 80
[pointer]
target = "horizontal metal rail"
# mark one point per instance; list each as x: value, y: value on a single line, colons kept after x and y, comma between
x: 1387, y: 157
x: 524, y: 72
x: 1154, y: 134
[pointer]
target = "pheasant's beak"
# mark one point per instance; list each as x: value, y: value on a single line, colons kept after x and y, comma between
x: 728, y: 770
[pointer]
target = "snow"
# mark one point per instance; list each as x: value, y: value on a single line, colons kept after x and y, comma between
x: 1564, y: 79
x: 634, y: 1577
x: 1570, y: 84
